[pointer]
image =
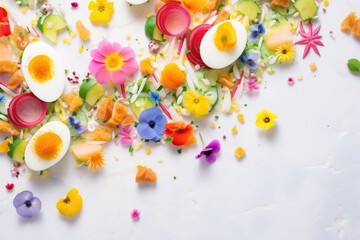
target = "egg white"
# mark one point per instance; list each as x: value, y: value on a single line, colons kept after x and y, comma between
x: 33, y: 161
x: 52, y: 89
x: 216, y: 59
x: 136, y: 2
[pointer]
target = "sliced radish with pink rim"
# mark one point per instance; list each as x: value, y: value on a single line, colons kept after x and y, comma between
x: 194, y: 41
x: 173, y: 19
x: 26, y: 110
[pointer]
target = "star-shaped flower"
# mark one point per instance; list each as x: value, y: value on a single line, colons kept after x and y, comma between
x: 310, y: 39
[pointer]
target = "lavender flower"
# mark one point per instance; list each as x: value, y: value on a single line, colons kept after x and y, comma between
x: 250, y: 59
x: 256, y: 30
x: 74, y: 122
x: 151, y: 124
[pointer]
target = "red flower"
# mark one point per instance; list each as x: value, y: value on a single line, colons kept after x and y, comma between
x: 4, y: 23
x: 181, y: 132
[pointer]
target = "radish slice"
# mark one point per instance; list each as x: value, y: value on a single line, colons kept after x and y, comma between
x: 194, y: 41
x: 173, y: 19
x: 26, y: 110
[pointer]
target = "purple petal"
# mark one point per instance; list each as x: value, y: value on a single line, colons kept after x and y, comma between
x: 29, y: 212
x: 149, y: 114
x: 21, y: 198
x: 210, y: 158
x: 253, y: 36
x: 214, y: 145
x: 145, y: 131
x: 199, y: 155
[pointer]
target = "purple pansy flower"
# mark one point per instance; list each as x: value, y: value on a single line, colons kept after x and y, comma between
x: 250, y: 59
x: 26, y: 204
x: 151, y: 124
x: 74, y: 122
x: 256, y: 30
x: 210, y: 151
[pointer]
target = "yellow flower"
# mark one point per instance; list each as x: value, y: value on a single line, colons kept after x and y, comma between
x: 70, y: 205
x: 196, y: 105
x: 225, y: 36
x: 265, y: 119
x: 285, y: 52
x: 101, y: 11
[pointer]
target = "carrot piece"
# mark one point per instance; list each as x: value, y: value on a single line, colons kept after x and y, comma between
x: 128, y: 120
x: 280, y: 3
x: 6, y: 127
x: 73, y: 101
x: 84, y: 33
x: 101, y: 133
x: 348, y: 23
x: 8, y: 66
x: 105, y: 109
x: 355, y: 31
x: 145, y: 174
x: 5, y: 53
x: 15, y: 80
x: 118, y: 114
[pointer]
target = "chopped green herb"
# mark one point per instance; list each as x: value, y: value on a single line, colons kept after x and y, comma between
x: 187, y: 51
x: 168, y: 139
x: 159, y: 88
x: 179, y: 150
x: 216, y: 117
x: 174, y: 177
x: 131, y: 149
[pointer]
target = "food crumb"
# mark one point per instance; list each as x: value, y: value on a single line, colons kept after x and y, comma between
x: 213, y: 125
x: 241, y: 118
x: 138, y: 146
x: 128, y: 36
x: 270, y: 70
x: 313, y: 66
x: 148, y: 150
x: 326, y: 3
x: 300, y: 77
x: 234, y: 130
x: 239, y: 152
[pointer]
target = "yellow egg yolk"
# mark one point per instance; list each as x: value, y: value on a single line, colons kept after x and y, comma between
x: 41, y: 68
x: 48, y: 145
x: 225, y: 37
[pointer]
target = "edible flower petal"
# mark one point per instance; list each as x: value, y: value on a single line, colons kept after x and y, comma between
x: 101, y: 11
x: 127, y: 135
x: 197, y: 105
x: 225, y: 37
x: 256, y: 30
x: 70, y: 205
x: 26, y: 204
x: 75, y: 123
x: 210, y: 151
x: 181, y: 132
x: 265, y: 119
x: 112, y: 62
x: 151, y: 124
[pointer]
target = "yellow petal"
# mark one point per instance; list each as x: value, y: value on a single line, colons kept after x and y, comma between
x: 93, y: 5
x: 70, y: 205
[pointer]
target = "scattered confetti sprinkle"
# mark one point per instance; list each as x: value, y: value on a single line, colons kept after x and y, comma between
x: 239, y: 152
x: 135, y: 214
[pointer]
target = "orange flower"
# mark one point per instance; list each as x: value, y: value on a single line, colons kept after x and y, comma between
x: 181, y: 132
x: 172, y: 76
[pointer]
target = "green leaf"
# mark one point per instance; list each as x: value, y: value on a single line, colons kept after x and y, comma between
x: 354, y: 65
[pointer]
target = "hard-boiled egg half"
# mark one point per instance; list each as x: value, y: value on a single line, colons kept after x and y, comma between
x: 43, y: 71
x: 48, y: 146
x: 223, y: 44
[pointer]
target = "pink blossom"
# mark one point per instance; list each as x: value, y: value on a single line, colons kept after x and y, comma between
x: 135, y: 214
x: 126, y: 135
x: 112, y: 62
x: 251, y: 84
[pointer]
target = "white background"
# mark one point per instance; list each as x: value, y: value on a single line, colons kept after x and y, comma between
x: 298, y: 181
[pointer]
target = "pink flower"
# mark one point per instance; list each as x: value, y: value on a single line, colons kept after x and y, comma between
x: 252, y: 84
x: 111, y: 62
x: 127, y: 136
x: 135, y: 214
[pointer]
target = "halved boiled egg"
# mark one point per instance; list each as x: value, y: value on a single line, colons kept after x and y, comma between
x: 48, y: 146
x: 223, y: 44
x: 43, y: 71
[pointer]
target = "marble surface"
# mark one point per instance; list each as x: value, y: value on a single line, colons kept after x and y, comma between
x: 297, y: 181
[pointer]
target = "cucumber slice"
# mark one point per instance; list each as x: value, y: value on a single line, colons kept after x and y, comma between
x: 91, y: 91
x: 51, y: 25
x: 158, y: 35
x: 213, y: 95
x: 249, y: 9
x: 307, y: 8
x: 149, y: 26
x: 17, y: 150
x: 82, y: 115
x: 142, y: 102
